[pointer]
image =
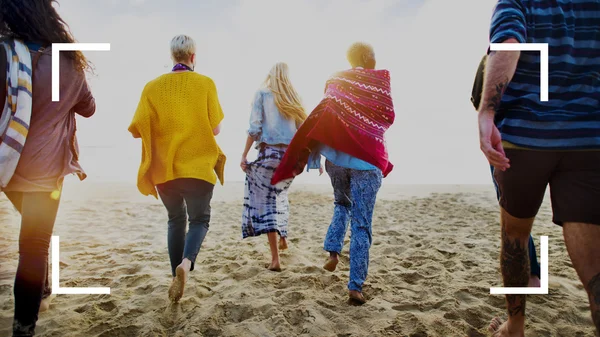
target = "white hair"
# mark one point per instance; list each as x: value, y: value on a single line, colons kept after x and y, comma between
x: 182, y: 48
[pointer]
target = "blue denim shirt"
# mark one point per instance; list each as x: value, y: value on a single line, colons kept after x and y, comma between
x: 338, y: 158
x: 267, y: 125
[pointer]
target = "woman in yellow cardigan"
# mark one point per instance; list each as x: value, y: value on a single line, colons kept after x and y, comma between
x: 177, y: 118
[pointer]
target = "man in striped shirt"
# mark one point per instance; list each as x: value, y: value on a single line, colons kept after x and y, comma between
x: 533, y: 144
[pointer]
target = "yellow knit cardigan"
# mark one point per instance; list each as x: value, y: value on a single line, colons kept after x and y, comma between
x: 175, y: 119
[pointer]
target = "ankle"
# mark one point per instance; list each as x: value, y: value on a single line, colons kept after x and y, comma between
x: 186, y: 264
x: 516, y: 325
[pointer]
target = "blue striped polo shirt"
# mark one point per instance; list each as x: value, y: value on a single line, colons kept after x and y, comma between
x: 570, y: 119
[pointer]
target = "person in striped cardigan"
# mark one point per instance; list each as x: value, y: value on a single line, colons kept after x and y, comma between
x: 34, y: 183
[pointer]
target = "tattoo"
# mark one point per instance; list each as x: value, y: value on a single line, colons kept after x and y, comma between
x: 515, y: 271
x: 495, y: 100
x: 516, y: 304
x: 594, y: 289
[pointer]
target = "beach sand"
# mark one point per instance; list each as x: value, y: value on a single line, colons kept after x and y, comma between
x: 435, y: 255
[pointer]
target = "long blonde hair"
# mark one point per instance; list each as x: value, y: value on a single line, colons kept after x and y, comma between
x: 287, y: 99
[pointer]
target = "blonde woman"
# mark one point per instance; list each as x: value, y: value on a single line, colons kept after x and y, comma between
x: 275, y: 117
x: 178, y: 119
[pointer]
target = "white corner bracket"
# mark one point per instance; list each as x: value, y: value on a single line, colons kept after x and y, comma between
x: 56, y: 289
x: 57, y: 48
x: 543, y: 290
x: 542, y: 48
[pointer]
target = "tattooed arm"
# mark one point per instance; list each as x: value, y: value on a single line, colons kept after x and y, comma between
x: 508, y: 25
x: 500, y: 68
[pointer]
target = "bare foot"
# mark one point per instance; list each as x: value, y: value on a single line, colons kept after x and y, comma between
x: 178, y: 284
x: 331, y: 264
x: 356, y: 297
x: 495, y: 324
x: 534, y: 282
x: 498, y: 328
x: 274, y: 266
x: 283, y: 244
x: 45, y: 304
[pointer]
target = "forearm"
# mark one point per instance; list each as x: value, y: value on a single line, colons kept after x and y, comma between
x: 499, y: 71
x: 249, y: 142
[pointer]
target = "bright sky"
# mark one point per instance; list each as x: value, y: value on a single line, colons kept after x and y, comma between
x: 431, y: 47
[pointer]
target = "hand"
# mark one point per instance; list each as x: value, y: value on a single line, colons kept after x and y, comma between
x: 321, y: 170
x: 244, y: 164
x: 490, y: 141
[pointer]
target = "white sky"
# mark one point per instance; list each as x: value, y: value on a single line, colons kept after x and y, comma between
x: 431, y: 47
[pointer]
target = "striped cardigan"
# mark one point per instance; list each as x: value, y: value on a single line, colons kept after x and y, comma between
x: 16, y: 113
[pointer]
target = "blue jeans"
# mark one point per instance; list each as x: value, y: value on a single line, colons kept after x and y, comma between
x: 355, y: 192
x: 533, y: 262
x: 182, y: 198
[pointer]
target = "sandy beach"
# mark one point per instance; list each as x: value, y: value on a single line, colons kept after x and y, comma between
x: 434, y: 257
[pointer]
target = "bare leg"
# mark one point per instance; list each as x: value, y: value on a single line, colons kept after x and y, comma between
x: 332, y: 262
x: 274, y: 266
x: 582, y: 244
x: 178, y: 284
x: 283, y: 245
x: 45, y: 304
x: 534, y: 281
x: 356, y: 297
x: 514, y: 262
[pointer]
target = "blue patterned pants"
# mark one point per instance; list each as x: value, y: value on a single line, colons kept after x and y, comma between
x: 355, y: 193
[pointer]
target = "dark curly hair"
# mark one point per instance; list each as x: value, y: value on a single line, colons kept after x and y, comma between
x: 37, y: 21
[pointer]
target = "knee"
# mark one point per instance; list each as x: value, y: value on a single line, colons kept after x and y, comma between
x: 200, y: 223
x: 515, y: 227
x: 177, y: 225
x: 176, y: 219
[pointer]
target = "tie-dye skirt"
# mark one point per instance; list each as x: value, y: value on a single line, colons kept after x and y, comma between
x: 266, y: 207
